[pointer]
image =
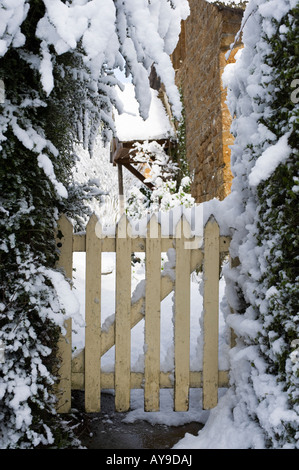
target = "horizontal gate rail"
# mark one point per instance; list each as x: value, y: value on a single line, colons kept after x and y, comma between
x: 83, y: 372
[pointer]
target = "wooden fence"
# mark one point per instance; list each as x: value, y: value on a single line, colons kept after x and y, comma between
x: 84, y: 371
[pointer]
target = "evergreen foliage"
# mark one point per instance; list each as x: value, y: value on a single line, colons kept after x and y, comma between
x: 265, y: 370
x: 29, y: 207
x: 59, y: 90
x: 278, y: 224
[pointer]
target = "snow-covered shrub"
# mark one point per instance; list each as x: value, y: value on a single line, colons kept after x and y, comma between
x: 56, y: 62
x: 169, y: 175
x: 265, y: 199
x: 165, y: 196
x: 154, y: 158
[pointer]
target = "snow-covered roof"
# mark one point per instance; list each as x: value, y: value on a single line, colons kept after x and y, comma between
x: 130, y: 125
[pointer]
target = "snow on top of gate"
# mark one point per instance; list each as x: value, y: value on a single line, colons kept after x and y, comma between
x: 197, y: 216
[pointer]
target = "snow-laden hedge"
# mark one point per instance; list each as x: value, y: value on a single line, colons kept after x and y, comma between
x: 261, y: 408
x: 265, y: 192
x: 56, y: 64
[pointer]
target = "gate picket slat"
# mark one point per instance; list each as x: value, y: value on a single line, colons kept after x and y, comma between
x: 152, y: 316
x: 182, y: 318
x: 93, y: 317
x: 123, y: 317
x: 211, y: 314
x: 64, y: 391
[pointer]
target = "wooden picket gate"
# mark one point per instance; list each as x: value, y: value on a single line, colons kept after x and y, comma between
x: 84, y: 371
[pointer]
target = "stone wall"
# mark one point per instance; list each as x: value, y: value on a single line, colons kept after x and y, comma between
x: 199, y: 61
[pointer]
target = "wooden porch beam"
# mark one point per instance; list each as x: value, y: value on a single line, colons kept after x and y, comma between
x: 138, y: 175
